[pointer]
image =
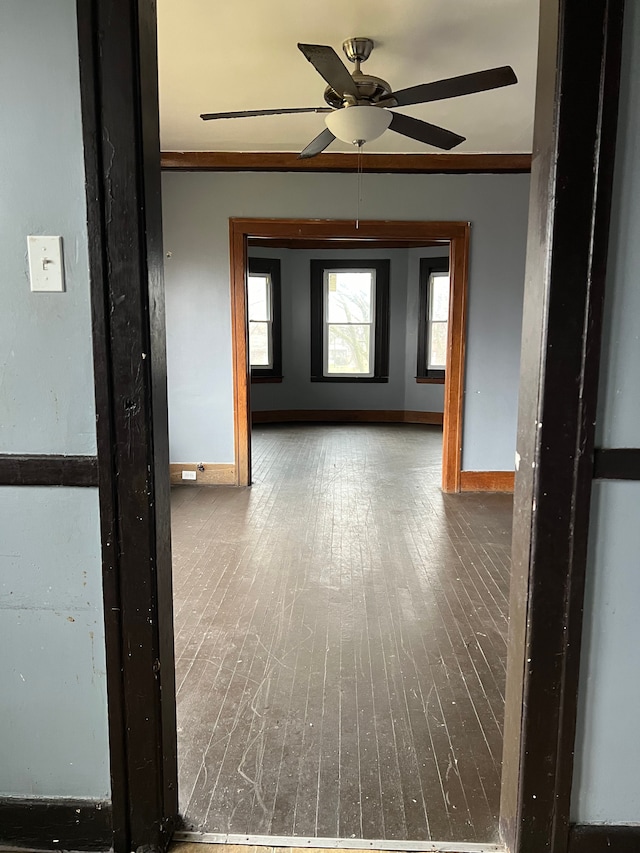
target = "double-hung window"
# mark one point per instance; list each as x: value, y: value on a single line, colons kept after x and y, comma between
x: 433, y: 330
x: 350, y: 321
x: 263, y: 300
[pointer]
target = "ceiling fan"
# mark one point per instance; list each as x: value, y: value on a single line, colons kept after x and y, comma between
x: 358, y: 103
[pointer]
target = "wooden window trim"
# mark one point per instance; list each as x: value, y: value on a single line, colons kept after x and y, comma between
x: 428, y: 266
x: 270, y: 267
x: 381, y: 324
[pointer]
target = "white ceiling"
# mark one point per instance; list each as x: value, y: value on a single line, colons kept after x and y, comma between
x: 219, y: 55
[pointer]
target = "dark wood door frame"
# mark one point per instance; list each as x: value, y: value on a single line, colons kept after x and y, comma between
x: 572, y: 175
x: 118, y: 81
x: 458, y: 235
x: 572, y: 178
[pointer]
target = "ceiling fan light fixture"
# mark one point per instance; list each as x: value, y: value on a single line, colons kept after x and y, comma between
x: 358, y: 124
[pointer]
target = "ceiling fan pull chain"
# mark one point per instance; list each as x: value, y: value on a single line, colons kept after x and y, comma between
x: 359, y: 185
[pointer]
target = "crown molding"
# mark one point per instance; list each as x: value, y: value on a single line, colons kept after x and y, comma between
x: 279, y: 161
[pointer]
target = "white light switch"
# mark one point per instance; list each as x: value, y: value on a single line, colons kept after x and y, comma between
x: 45, y: 264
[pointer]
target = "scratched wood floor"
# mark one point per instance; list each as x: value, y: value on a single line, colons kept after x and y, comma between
x: 341, y: 642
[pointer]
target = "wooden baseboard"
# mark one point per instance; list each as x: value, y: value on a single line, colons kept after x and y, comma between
x: 213, y: 475
x: 351, y: 416
x: 434, y: 418
x: 486, y: 481
x: 598, y: 838
x: 46, y: 824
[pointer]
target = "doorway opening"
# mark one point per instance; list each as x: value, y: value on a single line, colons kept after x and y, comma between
x: 575, y: 139
x: 346, y: 331
x: 299, y: 232
x: 343, y: 676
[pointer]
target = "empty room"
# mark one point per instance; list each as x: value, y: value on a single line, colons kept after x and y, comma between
x: 324, y: 593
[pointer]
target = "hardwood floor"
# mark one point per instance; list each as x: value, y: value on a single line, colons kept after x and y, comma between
x: 341, y: 642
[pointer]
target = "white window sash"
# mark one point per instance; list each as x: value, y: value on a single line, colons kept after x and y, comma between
x: 326, y: 324
x: 268, y: 322
x: 431, y: 323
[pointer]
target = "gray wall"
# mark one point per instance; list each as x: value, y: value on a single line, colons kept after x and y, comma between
x: 196, y: 209
x: 53, y: 707
x: 607, y: 781
x: 296, y: 390
x: 42, y: 192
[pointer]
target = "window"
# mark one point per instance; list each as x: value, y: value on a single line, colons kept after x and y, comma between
x: 350, y: 321
x: 434, y: 319
x: 263, y: 309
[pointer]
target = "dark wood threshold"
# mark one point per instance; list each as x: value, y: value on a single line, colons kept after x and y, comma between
x: 599, y: 838
x: 48, y: 824
x: 46, y: 470
x: 617, y: 464
x: 349, y: 416
x: 425, y: 380
x: 285, y: 161
x: 265, y: 380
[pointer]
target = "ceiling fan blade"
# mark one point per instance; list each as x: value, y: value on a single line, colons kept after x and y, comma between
x: 453, y: 87
x: 329, y: 65
x: 317, y: 145
x: 249, y: 113
x: 425, y: 132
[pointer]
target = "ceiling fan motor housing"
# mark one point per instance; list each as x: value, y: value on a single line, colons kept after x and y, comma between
x: 358, y: 49
x: 370, y: 89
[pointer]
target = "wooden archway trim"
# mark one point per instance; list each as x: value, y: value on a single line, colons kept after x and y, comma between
x: 457, y: 233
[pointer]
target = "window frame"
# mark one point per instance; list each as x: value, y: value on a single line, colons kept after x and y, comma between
x: 380, y: 323
x: 427, y: 267
x: 270, y: 267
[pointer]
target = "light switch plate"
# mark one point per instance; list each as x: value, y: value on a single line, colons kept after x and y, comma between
x: 45, y: 264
